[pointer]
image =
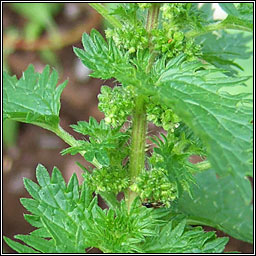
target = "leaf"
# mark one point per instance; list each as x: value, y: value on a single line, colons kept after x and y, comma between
x: 217, y: 202
x: 20, y: 248
x: 192, y: 90
x: 106, y: 60
x: 104, y: 140
x: 38, y: 243
x: 222, y: 121
x: 179, y: 238
x: 224, y: 49
x: 33, y: 98
x: 58, y: 211
x: 240, y: 17
x: 69, y: 220
x: 229, y: 8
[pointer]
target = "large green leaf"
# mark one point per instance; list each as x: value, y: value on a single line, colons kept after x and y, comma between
x: 217, y: 202
x: 221, y: 120
x: 34, y: 98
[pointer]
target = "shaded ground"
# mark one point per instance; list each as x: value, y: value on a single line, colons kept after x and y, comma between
x: 35, y: 145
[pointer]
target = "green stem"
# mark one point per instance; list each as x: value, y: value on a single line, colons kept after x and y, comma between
x: 105, y: 14
x: 70, y: 140
x: 137, y: 155
x: 152, y: 18
x: 138, y: 140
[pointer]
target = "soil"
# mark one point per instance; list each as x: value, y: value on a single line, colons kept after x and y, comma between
x: 35, y: 145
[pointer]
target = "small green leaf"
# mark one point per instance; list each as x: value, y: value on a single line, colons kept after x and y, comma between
x: 57, y: 178
x: 32, y: 188
x: 102, y: 158
x: 33, y: 220
x: 42, y: 176
x: 31, y: 205
x: 106, y: 61
x: 73, y: 187
x: 89, y: 156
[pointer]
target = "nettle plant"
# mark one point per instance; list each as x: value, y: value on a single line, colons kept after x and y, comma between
x: 171, y: 62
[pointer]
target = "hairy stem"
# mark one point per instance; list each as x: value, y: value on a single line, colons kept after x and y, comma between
x: 137, y: 155
x: 138, y: 141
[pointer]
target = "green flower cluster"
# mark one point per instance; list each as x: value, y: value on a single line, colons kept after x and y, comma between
x: 174, y: 11
x: 162, y: 116
x: 108, y: 179
x: 171, y: 154
x: 154, y: 186
x: 168, y: 39
x: 172, y: 43
x: 129, y: 37
x: 116, y: 104
x: 179, y: 16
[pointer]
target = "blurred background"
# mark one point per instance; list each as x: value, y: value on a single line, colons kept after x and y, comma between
x: 45, y: 33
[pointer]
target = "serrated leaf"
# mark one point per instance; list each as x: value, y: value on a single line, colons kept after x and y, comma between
x: 31, y: 205
x: 20, y: 248
x: 224, y: 49
x: 102, y: 157
x: 42, y: 176
x: 33, y: 98
x: 222, y: 121
x: 229, y: 8
x: 33, y: 220
x: 89, y: 155
x: 217, y: 202
x: 57, y: 178
x: 82, y: 223
x: 106, y: 60
x: 40, y: 244
x: 181, y: 239
x: 32, y: 188
x: 73, y: 187
x: 240, y: 17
